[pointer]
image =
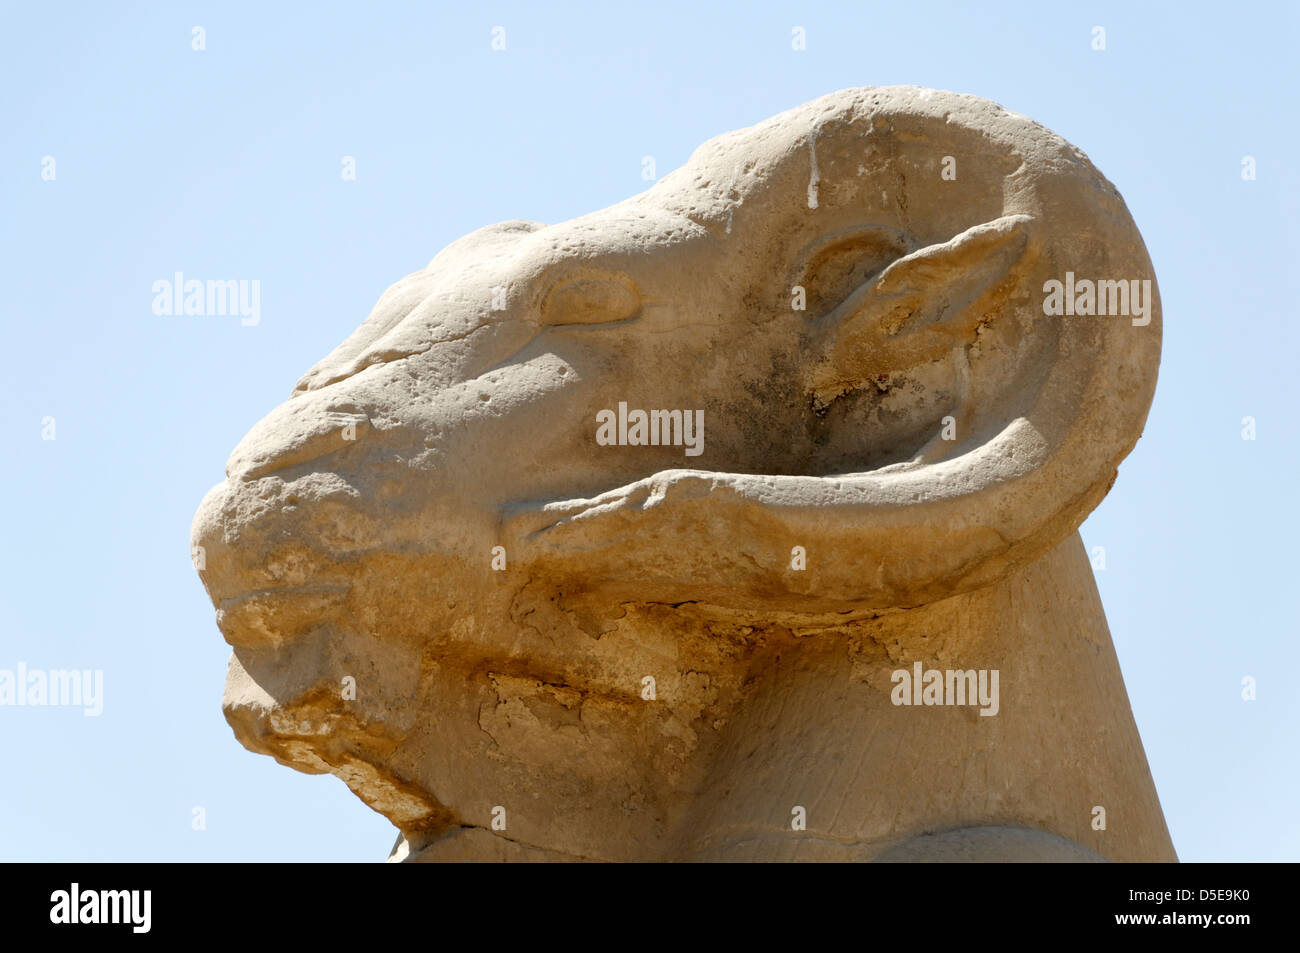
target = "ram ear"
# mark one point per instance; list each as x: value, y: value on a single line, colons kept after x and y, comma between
x: 919, y: 307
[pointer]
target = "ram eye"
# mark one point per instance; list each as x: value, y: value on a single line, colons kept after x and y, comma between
x: 841, y: 263
x: 591, y: 298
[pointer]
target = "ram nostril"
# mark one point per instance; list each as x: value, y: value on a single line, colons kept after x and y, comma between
x: 293, y: 434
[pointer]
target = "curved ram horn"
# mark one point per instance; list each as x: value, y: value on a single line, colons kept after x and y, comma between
x: 1047, y: 399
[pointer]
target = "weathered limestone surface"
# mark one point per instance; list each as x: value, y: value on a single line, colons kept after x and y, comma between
x: 443, y: 584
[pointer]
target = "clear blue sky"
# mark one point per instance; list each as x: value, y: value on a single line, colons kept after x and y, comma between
x: 226, y: 163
